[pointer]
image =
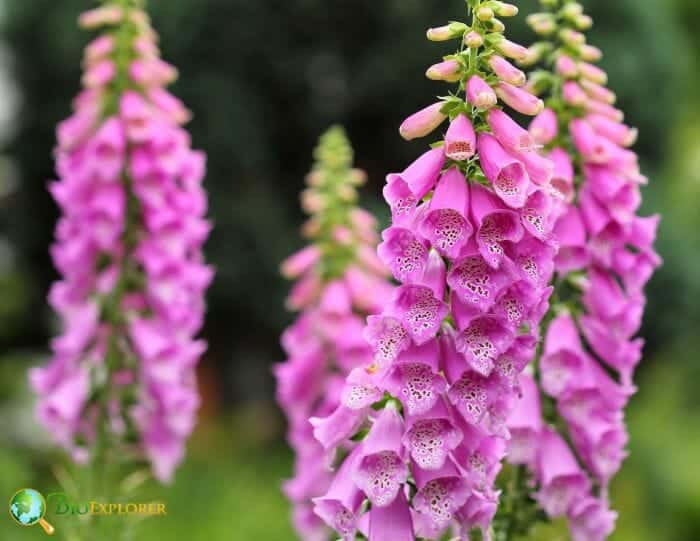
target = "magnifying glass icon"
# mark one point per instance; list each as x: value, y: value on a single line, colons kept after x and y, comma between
x: 28, y: 507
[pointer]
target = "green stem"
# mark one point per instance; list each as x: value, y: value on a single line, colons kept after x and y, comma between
x: 115, y: 358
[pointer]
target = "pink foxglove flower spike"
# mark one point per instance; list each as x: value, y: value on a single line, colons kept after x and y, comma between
x: 128, y: 247
x: 471, y: 244
x: 337, y: 286
x: 606, y: 256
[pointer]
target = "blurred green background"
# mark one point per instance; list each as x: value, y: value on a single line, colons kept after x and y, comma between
x: 264, y: 78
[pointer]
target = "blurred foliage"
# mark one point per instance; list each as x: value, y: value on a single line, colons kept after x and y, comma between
x: 264, y: 78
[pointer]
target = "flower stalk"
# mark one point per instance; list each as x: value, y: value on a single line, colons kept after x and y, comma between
x: 339, y: 281
x: 569, y: 429
x: 420, y: 435
x: 121, y: 380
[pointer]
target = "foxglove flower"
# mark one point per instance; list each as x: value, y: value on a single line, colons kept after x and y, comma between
x: 128, y: 247
x: 338, y: 285
x: 471, y: 245
x: 606, y: 257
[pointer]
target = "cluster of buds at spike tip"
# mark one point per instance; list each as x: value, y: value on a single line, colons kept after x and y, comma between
x: 339, y: 282
x: 128, y: 247
x: 605, y: 259
x: 419, y: 436
x: 483, y: 67
x: 565, y: 23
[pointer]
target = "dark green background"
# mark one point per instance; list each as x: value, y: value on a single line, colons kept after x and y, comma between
x: 264, y: 78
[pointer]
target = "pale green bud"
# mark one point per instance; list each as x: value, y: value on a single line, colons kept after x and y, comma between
x: 572, y: 37
x: 484, y: 13
x: 572, y: 10
x: 357, y: 177
x: 589, y: 53
x: 502, y: 9
x: 542, y: 24
x: 496, y: 25
x: 473, y: 40
x: 583, y: 22
x: 447, y: 32
x: 508, y: 48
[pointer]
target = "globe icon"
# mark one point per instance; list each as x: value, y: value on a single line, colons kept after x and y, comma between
x: 28, y: 507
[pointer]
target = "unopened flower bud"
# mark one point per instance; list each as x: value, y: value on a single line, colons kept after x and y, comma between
x: 496, y: 25
x: 508, y: 132
x: 300, y: 262
x: 519, y: 99
x: 346, y: 193
x: 484, y: 13
x: 631, y: 138
x: 544, y: 127
x: 572, y: 37
x: 572, y: 10
x: 599, y: 92
x: 583, y: 22
x: 99, y: 74
x: 357, y: 177
x: 504, y: 9
x: 101, y: 16
x: 590, y: 53
x: 594, y: 149
x: 303, y: 292
x: 605, y: 109
x: 98, y: 49
x: 314, y: 178
x: 615, y: 131
x: 154, y: 72
x: 449, y: 70
x: 312, y: 202
x: 566, y: 67
x: 510, y: 49
x: 169, y: 105
x: 480, y: 94
x: 342, y: 235
x: 146, y: 47
x: 506, y: 71
x: 542, y: 24
x: 423, y: 122
x: 551, y: 4
x: 593, y: 73
x: 473, y: 40
x: 573, y: 94
x: 447, y: 32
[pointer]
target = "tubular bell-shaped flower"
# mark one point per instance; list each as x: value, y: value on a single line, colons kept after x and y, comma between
x: 128, y: 247
x: 339, y: 282
x: 471, y: 244
x: 606, y: 258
